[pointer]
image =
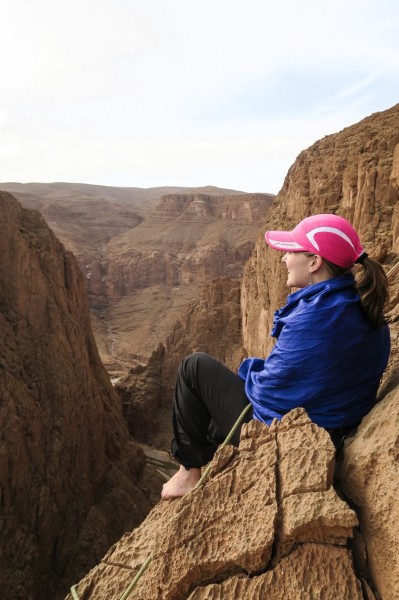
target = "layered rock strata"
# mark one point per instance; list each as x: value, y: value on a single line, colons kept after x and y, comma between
x: 267, y: 521
x: 145, y: 254
x: 157, y: 269
x: 71, y: 480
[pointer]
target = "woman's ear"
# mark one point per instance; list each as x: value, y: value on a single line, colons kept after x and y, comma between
x: 316, y: 263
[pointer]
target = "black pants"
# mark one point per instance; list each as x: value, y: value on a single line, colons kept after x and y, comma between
x: 208, y: 400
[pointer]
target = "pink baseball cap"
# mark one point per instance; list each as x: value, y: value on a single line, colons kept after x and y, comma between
x: 329, y: 236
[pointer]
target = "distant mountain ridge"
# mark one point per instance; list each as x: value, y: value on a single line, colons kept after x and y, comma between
x: 122, y: 194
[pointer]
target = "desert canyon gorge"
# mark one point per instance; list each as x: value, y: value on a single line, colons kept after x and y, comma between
x: 102, y: 292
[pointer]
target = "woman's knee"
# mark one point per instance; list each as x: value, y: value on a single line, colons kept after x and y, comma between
x: 190, y: 362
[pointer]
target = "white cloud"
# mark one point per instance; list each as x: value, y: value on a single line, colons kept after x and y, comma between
x: 193, y: 92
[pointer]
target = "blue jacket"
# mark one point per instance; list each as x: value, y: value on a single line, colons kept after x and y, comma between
x: 327, y: 358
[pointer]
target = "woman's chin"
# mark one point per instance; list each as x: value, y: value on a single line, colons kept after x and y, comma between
x: 291, y: 283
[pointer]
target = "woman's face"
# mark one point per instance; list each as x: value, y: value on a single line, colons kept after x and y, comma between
x: 298, y: 266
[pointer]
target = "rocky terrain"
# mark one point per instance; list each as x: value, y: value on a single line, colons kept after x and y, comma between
x: 266, y: 524
x: 72, y: 481
x: 145, y: 254
x: 156, y: 269
x: 212, y: 544
x: 356, y: 174
x: 277, y: 517
x: 212, y: 323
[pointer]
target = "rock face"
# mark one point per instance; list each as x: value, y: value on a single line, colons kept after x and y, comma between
x: 268, y: 521
x: 71, y: 480
x: 369, y: 477
x: 158, y: 268
x: 288, y: 537
x: 211, y: 324
x: 145, y: 254
x: 354, y: 173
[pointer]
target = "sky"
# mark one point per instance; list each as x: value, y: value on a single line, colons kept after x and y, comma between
x: 147, y: 93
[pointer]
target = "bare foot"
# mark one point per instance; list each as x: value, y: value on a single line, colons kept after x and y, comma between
x: 181, y: 483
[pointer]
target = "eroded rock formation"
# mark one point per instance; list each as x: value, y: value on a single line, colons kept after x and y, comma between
x: 355, y: 174
x: 267, y: 521
x: 211, y: 324
x: 71, y: 480
x: 369, y: 477
x: 156, y: 269
x: 145, y: 254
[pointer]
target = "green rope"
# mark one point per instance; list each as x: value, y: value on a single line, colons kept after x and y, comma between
x: 393, y: 271
x: 226, y: 441
x: 74, y: 593
x: 143, y: 568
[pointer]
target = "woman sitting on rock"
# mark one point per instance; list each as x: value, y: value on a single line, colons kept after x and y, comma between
x: 331, y: 350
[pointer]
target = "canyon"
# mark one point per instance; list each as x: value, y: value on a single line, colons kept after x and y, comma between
x: 280, y: 515
x: 72, y: 480
x: 356, y: 174
x: 145, y: 254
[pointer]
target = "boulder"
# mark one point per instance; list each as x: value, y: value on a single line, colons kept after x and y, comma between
x: 266, y: 521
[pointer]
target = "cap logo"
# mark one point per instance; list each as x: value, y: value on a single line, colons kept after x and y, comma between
x: 285, y: 245
x: 311, y: 235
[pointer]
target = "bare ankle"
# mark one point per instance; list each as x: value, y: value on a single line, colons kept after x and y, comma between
x: 181, y: 483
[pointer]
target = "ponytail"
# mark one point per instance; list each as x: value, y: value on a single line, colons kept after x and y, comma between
x: 372, y: 287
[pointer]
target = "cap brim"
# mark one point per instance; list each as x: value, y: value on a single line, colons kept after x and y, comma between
x: 283, y: 240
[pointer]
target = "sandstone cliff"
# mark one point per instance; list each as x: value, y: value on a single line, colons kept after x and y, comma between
x: 278, y: 489
x: 71, y: 480
x: 369, y: 477
x: 267, y: 524
x: 156, y: 269
x: 145, y: 254
x: 354, y: 173
x: 210, y: 324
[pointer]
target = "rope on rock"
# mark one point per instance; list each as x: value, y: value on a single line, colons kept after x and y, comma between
x: 393, y: 271
x: 74, y: 593
x: 226, y: 441
x: 139, y: 573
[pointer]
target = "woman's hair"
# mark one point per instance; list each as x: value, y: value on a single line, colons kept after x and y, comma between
x: 372, y: 287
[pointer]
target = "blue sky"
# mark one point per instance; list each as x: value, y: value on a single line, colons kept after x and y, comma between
x: 186, y: 92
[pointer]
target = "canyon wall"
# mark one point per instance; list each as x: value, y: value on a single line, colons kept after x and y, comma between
x: 71, y: 479
x: 276, y: 527
x: 211, y: 324
x: 145, y: 254
x: 354, y: 173
x: 157, y: 269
